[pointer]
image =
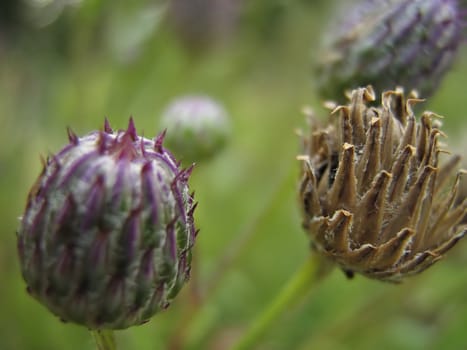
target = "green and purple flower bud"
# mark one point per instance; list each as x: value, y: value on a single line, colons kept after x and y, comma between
x: 197, y: 127
x: 388, y: 43
x: 105, y: 240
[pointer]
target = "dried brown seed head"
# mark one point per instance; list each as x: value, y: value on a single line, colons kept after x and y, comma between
x: 377, y: 198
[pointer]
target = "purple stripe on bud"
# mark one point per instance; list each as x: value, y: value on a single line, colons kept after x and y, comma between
x: 65, y: 261
x: 115, y: 296
x: 64, y: 218
x: 73, y: 169
x: 147, y: 266
x: 98, y: 251
x: 94, y: 202
x: 167, y: 162
x: 171, y: 241
x: 148, y: 192
x: 119, y: 184
x: 131, y: 235
x: 36, y: 228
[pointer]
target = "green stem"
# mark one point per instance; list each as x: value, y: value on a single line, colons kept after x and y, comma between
x: 298, y: 286
x: 185, y: 336
x: 104, y: 339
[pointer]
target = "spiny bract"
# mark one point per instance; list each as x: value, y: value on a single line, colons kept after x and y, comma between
x: 105, y: 240
x: 373, y: 189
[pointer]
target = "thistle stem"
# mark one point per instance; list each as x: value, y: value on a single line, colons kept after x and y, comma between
x: 293, y: 292
x: 104, y: 339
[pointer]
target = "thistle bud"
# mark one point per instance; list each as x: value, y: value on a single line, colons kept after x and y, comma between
x: 197, y: 127
x: 376, y: 198
x: 105, y: 240
x: 387, y: 43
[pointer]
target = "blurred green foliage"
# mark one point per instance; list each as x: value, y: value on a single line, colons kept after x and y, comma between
x: 91, y: 59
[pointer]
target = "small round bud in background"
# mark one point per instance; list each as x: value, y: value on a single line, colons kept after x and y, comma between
x: 388, y: 43
x: 197, y: 127
x: 105, y: 240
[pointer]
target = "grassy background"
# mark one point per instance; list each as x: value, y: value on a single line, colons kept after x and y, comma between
x: 121, y: 58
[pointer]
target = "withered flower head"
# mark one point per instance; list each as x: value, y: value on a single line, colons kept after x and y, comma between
x: 376, y: 198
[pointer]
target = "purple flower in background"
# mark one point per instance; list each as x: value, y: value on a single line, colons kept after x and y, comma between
x: 201, y: 24
x: 388, y: 43
x: 105, y: 240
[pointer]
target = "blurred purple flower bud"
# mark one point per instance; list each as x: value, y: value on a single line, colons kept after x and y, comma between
x: 203, y: 23
x: 388, y: 43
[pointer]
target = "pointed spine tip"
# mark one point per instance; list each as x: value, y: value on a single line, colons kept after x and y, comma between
x: 192, y: 209
x: 72, y: 136
x: 131, y: 130
x: 44, y: 161
x: 102, y: 144
x: 188, y: 171
x: 159, y: 140
x: 126, y: 148
x: 107, y: 127
x: 142, y: 147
